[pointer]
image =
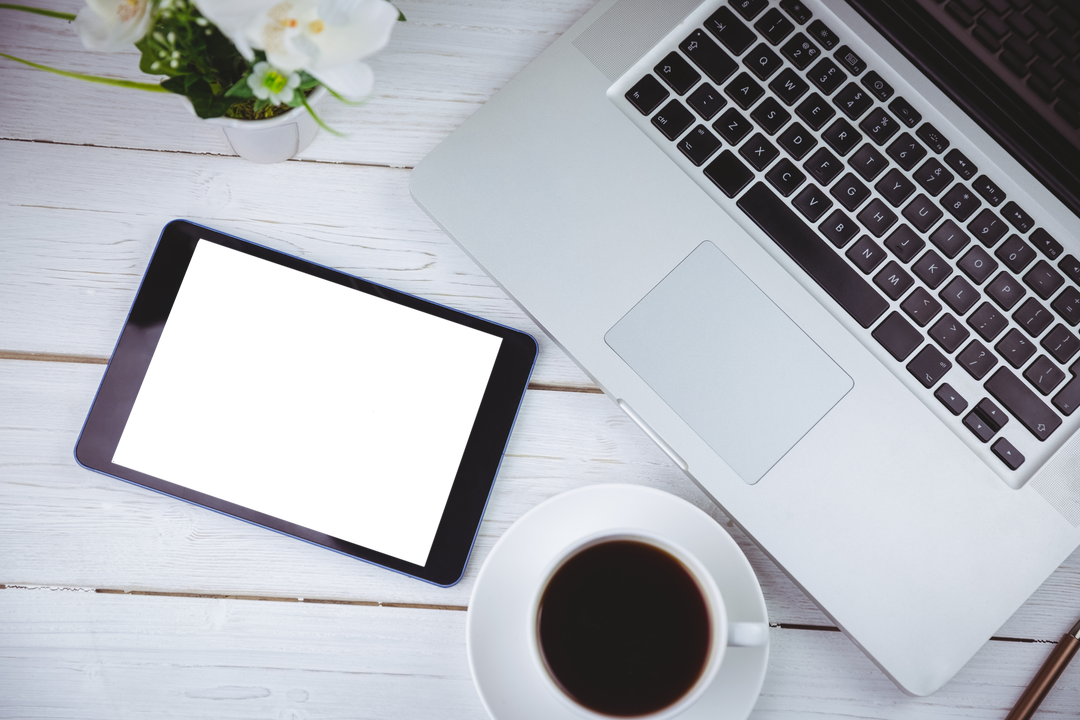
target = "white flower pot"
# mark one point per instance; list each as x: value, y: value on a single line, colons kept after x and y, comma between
x: 274, y: 139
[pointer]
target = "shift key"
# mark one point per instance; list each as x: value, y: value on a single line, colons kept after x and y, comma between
x: 1022, y: 402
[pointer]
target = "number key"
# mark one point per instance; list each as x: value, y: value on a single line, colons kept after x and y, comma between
x: 933, y: 176
x: 960, y: 202
x: 800, y: 51
x: 827, y: 76
x: 880, y: 126
x: 906, y: 151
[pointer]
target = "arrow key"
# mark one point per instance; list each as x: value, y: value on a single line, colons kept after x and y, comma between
x: 1008, y: 454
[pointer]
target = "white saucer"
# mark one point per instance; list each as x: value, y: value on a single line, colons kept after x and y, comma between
x: 506, y: 676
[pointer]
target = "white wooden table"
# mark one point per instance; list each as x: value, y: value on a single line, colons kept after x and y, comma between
x: 117, y: 603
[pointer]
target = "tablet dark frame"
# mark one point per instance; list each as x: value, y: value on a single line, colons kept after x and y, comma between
x: 480, y: 462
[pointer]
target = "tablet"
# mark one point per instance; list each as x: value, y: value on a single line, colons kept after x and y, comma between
x: 309, y: 402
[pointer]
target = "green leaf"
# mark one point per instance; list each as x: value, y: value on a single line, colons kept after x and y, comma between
x: 240, y: 89
x: 38, y: 11
x: 149, y: 87
x: 261, y: 105
x: 175, y: 85
x: 318, y: 119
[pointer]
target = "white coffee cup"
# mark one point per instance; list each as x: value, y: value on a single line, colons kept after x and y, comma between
x: 723, y: 634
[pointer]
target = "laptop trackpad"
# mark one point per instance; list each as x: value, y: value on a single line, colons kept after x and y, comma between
x: 731, y: 364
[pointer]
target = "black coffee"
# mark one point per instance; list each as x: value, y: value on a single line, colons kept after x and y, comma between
x: 624, y: 628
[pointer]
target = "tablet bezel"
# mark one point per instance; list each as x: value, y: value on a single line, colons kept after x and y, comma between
x: 480, y: 461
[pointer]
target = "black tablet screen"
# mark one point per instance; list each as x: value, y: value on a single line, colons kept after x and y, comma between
x: 305, y: 400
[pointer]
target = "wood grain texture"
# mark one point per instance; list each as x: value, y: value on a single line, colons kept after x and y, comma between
x: 89, y: 655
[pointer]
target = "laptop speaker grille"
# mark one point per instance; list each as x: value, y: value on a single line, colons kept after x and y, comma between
x: 1059, y: 482
x: 629, y: 29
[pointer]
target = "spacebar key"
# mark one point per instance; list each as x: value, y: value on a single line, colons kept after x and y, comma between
x: 813, y: 254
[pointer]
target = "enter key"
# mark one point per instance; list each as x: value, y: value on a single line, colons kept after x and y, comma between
x: 1069, y: 398
x: 1022, y: 402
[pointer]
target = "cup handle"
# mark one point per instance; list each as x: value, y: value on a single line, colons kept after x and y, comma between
x: 747, y: 634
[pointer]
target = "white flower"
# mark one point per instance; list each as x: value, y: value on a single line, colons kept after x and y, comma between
x: 327, y: 38
x: 111, y: 25
x: 270, y: 84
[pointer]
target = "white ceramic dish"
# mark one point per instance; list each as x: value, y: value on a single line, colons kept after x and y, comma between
x: 506, y: 675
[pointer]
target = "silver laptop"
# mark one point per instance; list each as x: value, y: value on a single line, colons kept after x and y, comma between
x: 825, y: 254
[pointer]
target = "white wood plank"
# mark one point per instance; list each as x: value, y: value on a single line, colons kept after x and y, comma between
x: 441, y: 65
x: 66, y: 526
x: 73, y: 251
x: 88, y: 655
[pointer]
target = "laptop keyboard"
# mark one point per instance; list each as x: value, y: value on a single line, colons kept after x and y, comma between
x: 941, y: 268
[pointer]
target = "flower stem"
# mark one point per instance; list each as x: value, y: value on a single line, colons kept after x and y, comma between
x: 149, y: 87
x: 318, y: 120
x: 38, y: 11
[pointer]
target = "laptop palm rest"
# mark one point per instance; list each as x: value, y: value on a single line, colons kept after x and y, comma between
x: 729, y: 362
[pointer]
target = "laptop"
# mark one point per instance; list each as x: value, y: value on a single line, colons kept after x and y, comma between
x: 825, y: 254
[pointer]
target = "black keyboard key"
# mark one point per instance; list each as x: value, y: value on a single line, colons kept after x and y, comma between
x: 1067, y: 305
x: 785, y: 177
x: 850, y: 61
x: 850, y: 192
x: 1007, y: 453
x: 988, y: 322
x: 960, y: 202
x: 841, y: 137
x: 929, y: 366
x: 959, y: 162
x: 821, y: 32
x: 1050, y: 53
x: 800, y: 51
x: 744, y: 91
x: 879, y: 126
x: 868, y: 162
x: 1006, y: 291
x: 797, y: 141
x: 1044, y: 375
x: 1015, y: 348
x: 951, y: 399
x: 994, y: 24
x: 759, y: 151
x: 647, y: 94
x: 950, y: 239
x: 960, y: 295
x: 708, y: 56
x: 974, y: 422
x: 814, y: 111
x: 788, y: 86
x: 1052, y: 248
x: 706, y: 100
x: 906, y: 151
x: 1021, y: 25
x: 729, y: 173
x: 770, y: 115
x: 1033, y: 317
x: 1017, y: 217
x: 824, y: 166
x: 904, y: 243
x: 749, y: 9
x: 1024, y: 404
x: 1061, y: 343
x: 866, y: 254
x: 673, y: 119
x: 774, y: 26
x: 994, y: 416
x: 729, y: 30
x: 812, y: 203
x: 839, y: 228
x: 959, y: 14
x: 814, y: 255
x: 895, y: 187
x: 989, y: 190
x: 934, y: 139
x: 1069, y: 398
x: 1015, y: 253
x: 922, y: 213
x: 931, y: 269
x: 933, y: 176
x: 898, y: 336
x: 1043, y: 279
x: 677, y: 73
x: 762, y: 61
x: 699, y: 145
x: 796, y: 10
x: 1020, y: 55
x: 1069, y: 264
x: 921, y: 306
x: 987, y: 227
x: 827, y: 76
x: 907, y: 114
x: 978, y: 265
x: 877, y: 217
x: 853, y: 101
x: 893, y: 281
x: 877, y: 86
x: 732, y: 126
x: 977, y: 360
